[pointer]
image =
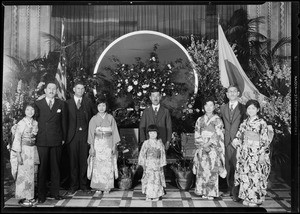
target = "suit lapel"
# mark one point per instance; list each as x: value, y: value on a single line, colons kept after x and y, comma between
x: 159, y: 114
x: 54, y: 109
x: 226, y: 112
x: 236, y: 112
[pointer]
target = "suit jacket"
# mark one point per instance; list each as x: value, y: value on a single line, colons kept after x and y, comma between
x: 51, y: 123
x: 89, y: 110
x: 231, y: 127
x: 163, y: 123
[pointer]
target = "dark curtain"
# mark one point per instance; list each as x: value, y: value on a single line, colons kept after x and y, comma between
x: 108, y: 22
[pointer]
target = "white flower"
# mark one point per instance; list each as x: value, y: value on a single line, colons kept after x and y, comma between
x: 145, y: 86
x: 149, y: 69
x: 153, y: 58
x: 153, y: 69
x: 142, y: 70
x: 163, y: 84
x: 126, y: 81
x: 119, y: 85
x: 139, y: 94
x: 135, y: 82
x: 190, y: 106
x: 144, y: 91
x: 129, y: 88
x: 169, y: 66
x: 164, y: 94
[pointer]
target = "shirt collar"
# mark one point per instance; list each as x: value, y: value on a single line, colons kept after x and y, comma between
x: 234, y: 103
x: 48, y: 99
x: 157, y: 106
x: 77, y: 98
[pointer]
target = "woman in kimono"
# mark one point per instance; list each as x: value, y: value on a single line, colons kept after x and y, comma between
x: 152, y: 158
x: 253, y: 162
x: 103, y: 137
x: 24, y: 157
x: 209, y: 158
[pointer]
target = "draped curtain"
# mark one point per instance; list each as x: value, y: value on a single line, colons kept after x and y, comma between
x: 108, y: 22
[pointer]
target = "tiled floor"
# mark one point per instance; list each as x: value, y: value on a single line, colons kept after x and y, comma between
x: 277, y: 200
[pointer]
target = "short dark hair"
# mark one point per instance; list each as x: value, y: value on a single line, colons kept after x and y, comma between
x: 78, y: 82
x: 50, y: 82
x: 208, y: 99
x: 102, y: 99
x: 233, y: 86
x: 154, y: 89
x: 29, y: 104
x: 152, y: 127
x: 255, y: 103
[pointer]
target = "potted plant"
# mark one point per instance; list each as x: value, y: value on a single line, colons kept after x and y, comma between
x: 126, y: 170
x: 182, y: 168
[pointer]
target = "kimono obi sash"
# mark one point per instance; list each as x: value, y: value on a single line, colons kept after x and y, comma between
x: 28, y: 142
x: 103, y: 132
x: 250, y: 135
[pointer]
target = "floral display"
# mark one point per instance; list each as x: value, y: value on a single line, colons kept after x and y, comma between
x: 135, y: 81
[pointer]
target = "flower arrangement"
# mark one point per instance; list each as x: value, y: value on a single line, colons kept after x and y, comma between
x: 135, y: 81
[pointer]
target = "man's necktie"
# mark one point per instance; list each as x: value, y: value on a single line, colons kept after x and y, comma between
x: 231, y: 107
x: 155, y: 111
x: 78, y: 104
x: 50, y: 104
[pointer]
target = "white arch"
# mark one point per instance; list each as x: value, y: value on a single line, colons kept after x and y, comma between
x: 149, y: 32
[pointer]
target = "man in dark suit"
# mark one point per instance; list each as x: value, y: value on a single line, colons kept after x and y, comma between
x: 51, y: 135
x: 80, y: 111
x: 233, y: 114
x: 158, y: 115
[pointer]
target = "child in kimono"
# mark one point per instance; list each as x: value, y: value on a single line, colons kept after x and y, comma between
x: 152, y: 158
x: 24, y: 157
x: 253, y: 156
x: 103, y: 137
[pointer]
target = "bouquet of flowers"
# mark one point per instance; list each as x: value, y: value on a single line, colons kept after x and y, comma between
x: 135, y: 80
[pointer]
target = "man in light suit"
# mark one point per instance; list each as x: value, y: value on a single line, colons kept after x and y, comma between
x: 80, y: 111
x: 158, y: 115
x: 232, y: 114
x: 51, y: 117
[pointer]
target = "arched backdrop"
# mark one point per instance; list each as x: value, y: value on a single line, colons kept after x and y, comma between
x: 140, y: 44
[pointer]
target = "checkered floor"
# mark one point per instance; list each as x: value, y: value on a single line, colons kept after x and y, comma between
x: 278, y: 200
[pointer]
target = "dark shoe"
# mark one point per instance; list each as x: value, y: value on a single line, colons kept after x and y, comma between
x: 57, y: 197
x: 236, y: 199
x: 41, y: 201
x: 71, y: 192
x: 226, y: 194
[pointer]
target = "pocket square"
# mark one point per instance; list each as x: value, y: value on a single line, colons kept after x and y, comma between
x: 58, y: 110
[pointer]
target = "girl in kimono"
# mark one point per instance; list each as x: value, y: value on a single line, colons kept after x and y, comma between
x: 24, y: 157
x: 209, y: 158
x: 152, y: 158
x: 253, y: 162
x: 103, y: 137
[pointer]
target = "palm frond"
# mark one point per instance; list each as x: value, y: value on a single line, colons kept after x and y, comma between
x: 283, y: 41
x: 51, y: 37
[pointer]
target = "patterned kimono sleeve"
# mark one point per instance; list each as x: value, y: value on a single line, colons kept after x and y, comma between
x: 115, y: 132
x: 92, y: 128
x: 199, y: 142
x: 17, y: 143
x: 163, y: 160
x: 35, y: 127
x: 142, y: 155
x: 220, y: 138
x: 264, y: 138
x: 237, y: 141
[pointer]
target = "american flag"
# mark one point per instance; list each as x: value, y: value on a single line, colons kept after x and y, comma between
x: 61, y: 74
